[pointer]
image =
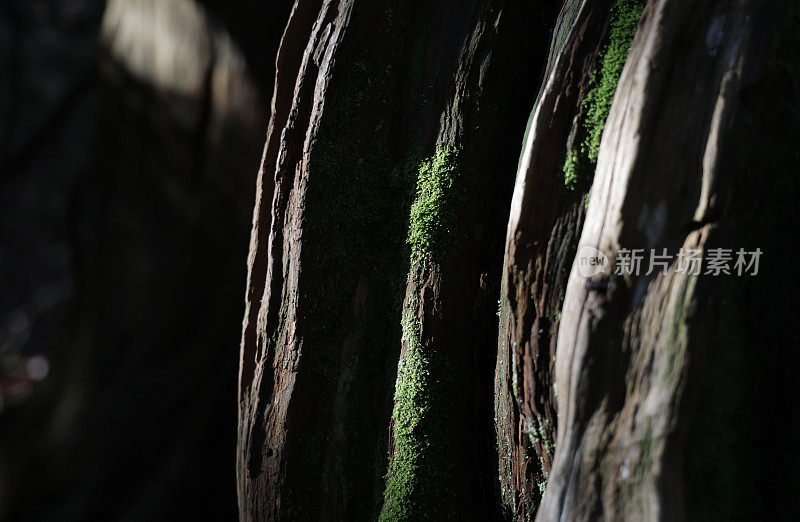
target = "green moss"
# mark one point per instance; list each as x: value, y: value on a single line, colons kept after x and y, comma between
x: 359, y: 191
x: 432, y: 222
x: 580, y: 163
x: 542, y: 487
x: 572, y: 170
x: 421, y: 450
x: 625, y: 18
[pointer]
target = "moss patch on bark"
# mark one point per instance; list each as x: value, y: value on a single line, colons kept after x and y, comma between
x: 418, y: 478
x: 580, y: 163
x: 432, y: 222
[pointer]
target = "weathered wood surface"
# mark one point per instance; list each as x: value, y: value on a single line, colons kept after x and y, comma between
x: 669, y: 175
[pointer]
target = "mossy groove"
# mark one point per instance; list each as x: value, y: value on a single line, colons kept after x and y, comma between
x: 357, y: 200
x: 420, y: 440
x: 580, y: 163
x: 433, y: 218
x: 420, y: 432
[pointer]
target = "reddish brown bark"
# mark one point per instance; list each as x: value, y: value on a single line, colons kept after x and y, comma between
x: 546, y: 217
x: 378, y: 89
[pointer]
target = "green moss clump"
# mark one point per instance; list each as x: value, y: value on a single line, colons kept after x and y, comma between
x: 572, y: 169
x: 432, y: 221
x: 421, y: 450
x: 579, y: 163
x: 625, y: 18
x: 421, y: 436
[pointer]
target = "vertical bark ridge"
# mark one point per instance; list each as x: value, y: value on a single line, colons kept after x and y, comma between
x: 368, y: 98
x: 546, y: 216
x: 629, y: 346
x: 457, y: 220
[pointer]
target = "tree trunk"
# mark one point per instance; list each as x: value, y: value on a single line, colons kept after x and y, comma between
x: 385, y: 194
x: 689, y: 128
x: 393, y: 114
x: 545, y: 218
x: 126, y: 176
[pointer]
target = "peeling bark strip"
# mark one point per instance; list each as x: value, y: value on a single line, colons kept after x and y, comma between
x: 629, y: 361
x: 364, y: 92
x: 588, y: 50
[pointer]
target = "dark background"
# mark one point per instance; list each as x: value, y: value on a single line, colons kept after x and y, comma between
x: 130, y: 138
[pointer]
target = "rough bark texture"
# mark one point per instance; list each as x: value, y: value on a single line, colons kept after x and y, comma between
x: 385, y: 100
x: 677, y: 169
x: 546, y: 216
x: 388, y: 228
x: 388, y: 161
x: 323, y: 269
x: 449, y: 324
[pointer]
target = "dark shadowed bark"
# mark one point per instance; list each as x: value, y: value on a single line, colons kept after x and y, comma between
x: 636, y: 354
x: 372, y: 364
x: 391, y: 111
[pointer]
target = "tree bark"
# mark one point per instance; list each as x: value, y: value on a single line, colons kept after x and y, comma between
x: 381, y: 94
x: 546, y: 216
x: 366, y: 386
x: 673, y: 171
